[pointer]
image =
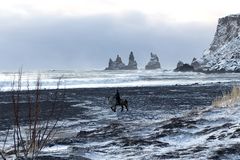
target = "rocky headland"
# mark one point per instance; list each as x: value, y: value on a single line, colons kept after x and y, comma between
x: 223, y: 54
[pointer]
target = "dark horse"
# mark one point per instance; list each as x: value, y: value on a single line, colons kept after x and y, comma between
x: 112, y: 101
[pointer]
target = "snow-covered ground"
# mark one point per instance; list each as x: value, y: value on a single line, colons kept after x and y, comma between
x: 223, y: 53
x: 168, y: 121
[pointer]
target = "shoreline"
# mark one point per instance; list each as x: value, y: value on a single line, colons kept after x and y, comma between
x: 90, y: 121
x: 126, y: 87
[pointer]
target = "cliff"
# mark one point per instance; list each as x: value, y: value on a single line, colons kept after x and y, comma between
x: 223, y: 55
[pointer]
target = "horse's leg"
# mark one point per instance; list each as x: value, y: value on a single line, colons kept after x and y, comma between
x: 126, y: 107
x: 113, y: 108
x: 122, y: 108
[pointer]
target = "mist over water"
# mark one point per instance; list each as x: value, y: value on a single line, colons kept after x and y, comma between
x: 123, y: 78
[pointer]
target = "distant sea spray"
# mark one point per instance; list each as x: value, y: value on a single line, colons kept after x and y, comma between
x: 102, y: 79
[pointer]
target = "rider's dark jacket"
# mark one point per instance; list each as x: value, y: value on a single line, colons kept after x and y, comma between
x: 117, y: 97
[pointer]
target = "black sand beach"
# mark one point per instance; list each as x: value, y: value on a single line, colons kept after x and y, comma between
x: 168, y: 122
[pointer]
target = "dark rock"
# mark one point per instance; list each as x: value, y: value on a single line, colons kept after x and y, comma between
x: 119, y: 65
x: 196, y: 65
x: 110, y: 63
x: 198, y: 149
x: 222, y: 136
x: 132, y: 142
x: 223, y: 54
x: 62, y: 158
x: 184, y: 67
x: 84, y: 133
x: 65, y: 141
x: 212, y: 137
x: 213, y: 129
x: 170, y: 155
x: 224, y: 151
x: 180, y: 64
x: 116, y: 65
x: 132, y: 64
x: 153, y: 63
x: 178, y: 123
x: 236, y: 133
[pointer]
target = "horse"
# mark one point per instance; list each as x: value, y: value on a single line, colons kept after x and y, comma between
x: 112, y: 101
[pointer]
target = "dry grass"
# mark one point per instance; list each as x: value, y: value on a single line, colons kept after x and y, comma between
x: 228, y: 99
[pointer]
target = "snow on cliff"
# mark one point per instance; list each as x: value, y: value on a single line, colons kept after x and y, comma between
x: 223, y: 54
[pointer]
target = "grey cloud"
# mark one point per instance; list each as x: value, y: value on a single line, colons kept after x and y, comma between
x: 88, y: 42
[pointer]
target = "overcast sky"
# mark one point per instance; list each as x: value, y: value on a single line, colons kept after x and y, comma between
x: 84, y: 34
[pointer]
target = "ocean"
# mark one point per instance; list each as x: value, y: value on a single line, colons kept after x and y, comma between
x: 102, y: 79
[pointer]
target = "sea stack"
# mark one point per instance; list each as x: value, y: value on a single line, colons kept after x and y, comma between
x: 153, y: 63
x: 132, y: 64
x: 223, y: 55
x: 183, y: 67
x: 119, y: 65
x: 195, y: 64
x: 116, y: 65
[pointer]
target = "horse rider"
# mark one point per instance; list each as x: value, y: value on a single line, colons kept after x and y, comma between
x: 117, y: 95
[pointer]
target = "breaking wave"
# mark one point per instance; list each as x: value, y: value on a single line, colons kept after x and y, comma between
x: 101, y: 79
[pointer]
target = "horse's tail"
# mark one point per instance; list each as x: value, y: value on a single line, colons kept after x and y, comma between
x: 126, y: 104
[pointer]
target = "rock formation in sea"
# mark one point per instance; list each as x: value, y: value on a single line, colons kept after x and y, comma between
x: 132, y: 63
x: 153, y: 63
x: 223, y: 55
x: 116, y: 65
x: 195, y: 64
x: 119, y: 65
x: 184, y: 67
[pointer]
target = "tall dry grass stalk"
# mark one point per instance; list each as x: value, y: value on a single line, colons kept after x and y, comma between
x: 228, y: 99
x: 29, y: 139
